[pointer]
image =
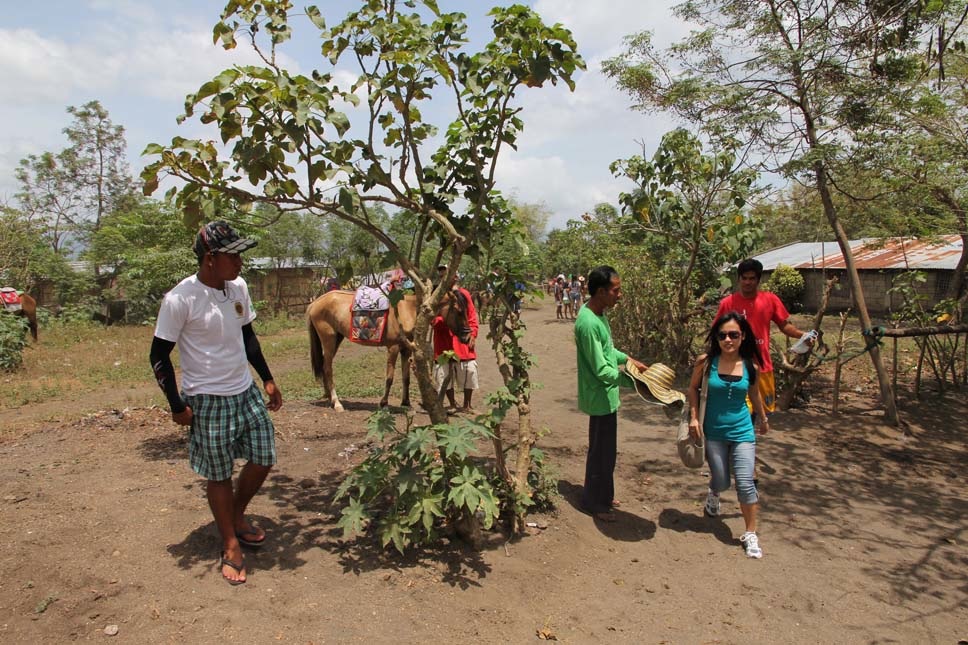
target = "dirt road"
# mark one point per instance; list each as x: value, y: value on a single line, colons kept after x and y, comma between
x: 864, y: 534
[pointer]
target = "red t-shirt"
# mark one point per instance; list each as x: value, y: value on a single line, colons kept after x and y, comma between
x: 445, y: 340
x: 759, y: 312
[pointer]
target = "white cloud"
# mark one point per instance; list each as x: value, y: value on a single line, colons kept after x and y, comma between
x: 35, y: 68
x: 140, y: 59
x: 552, y: 180
x: 165, y: 64
x: 599, y: 27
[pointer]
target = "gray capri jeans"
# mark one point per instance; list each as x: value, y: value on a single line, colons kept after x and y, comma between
x: 724, y: 456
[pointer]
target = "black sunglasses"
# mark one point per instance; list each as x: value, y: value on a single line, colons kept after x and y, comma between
x: 732, y: 335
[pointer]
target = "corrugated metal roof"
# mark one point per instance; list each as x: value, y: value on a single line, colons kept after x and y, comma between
x: 270, y: 263
x: 869, y: 253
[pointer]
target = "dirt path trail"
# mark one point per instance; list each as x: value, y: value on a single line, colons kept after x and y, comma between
x: 864, y: 536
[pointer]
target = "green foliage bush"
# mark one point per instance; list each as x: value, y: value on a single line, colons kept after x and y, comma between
x: 13, y: 339
x: 787, y: 283
x: 416, y: 477
x: 146, y: 278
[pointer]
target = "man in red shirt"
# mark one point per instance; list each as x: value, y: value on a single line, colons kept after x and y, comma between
x: 462, y: 370
x: 760, y: 308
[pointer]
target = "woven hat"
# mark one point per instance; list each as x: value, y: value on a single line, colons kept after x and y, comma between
x: 655, y: 384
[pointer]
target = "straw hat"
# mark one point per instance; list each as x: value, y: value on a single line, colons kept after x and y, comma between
x: 655, y: 384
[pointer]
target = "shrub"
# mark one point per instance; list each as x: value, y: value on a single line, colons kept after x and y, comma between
x: 787, y: 283
x: 13, y: 339
x: 415, y: 477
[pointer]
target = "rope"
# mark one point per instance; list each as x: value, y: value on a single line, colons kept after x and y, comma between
x: 872, y: 338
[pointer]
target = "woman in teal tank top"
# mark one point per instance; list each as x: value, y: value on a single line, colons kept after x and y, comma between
x: 730, y: 367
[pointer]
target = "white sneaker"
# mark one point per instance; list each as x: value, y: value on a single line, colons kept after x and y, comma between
x: 751, y: 544
x: 712, y: 504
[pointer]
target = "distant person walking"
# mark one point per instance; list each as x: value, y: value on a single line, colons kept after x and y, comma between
x: 575, y: 293
x: 559, y: 292
x: 730, y: 367
x: 209, y: 315
x: 598, y: 381
x: 569, y: 312
x: 759, y: 308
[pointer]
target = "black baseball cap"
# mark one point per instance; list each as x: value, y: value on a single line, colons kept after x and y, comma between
x: 219, y: 237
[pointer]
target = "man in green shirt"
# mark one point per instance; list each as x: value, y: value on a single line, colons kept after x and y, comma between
x: 598, y: 381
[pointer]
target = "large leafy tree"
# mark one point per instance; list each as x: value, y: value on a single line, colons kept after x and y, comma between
x: 291, y: 143
x: 150, y: 251
x: 688, y: 211
x: 71, y: 192
x: 24, y: 254
x: 512, y: 241
x: 920, y: 145
x: 788, y: 77
x: 47, y: 198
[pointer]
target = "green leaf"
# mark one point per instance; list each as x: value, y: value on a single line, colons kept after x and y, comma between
x: 353, y: 518
x: 340, y: 121
x: 316, y: 17
x: 393, y: 530
x: 346, y: 200
x: 407, y: 479
x: 459, y: 439
x: 464, y: 492
x: 427, y: 509
x: 380, y: 424
x: 417, y: 440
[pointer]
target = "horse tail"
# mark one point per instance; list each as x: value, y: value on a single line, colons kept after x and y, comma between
x: 32, y: 323
x: 315, y: 350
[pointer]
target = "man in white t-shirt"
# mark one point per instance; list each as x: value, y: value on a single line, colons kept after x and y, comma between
x: 209, y: 315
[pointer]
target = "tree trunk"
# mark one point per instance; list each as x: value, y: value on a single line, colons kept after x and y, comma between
x: 423, y: 358
x: 838, y: 365
x: 801, y: 363
x: 830, y: 211
x: 502, y: 327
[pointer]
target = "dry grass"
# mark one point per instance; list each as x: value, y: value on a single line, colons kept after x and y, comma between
x: 78, y: 361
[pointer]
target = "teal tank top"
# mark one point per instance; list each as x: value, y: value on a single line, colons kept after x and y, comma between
x: 727, y: 417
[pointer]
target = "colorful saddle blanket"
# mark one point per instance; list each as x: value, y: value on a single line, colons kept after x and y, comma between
x: 367, y: 327
x: 368, y: 315
x: 371, y: 299
x: 10, y: 299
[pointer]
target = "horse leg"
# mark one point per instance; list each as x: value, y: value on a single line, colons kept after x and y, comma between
x: 405, y: 356
x: 330, y: 345
x: 392, y: 352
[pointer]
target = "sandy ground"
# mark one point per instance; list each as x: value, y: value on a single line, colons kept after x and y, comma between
x: 864, y: 533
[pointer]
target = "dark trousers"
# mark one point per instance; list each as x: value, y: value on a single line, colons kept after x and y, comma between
x: 599, y: 488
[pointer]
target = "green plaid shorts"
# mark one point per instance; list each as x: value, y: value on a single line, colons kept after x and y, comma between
x: 225, y: 428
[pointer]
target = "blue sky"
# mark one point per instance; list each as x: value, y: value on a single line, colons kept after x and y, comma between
x: 141, y: 57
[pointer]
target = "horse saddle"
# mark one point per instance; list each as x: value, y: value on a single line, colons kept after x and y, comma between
x: 371, y: 299
x: 11, y: 299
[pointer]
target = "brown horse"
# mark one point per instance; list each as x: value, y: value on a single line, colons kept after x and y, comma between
x: 329, y: 323
x: 28, y: 308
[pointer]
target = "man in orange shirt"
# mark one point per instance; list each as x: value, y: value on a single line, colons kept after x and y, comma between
x: 760, y: 308
x: 462, y: 370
